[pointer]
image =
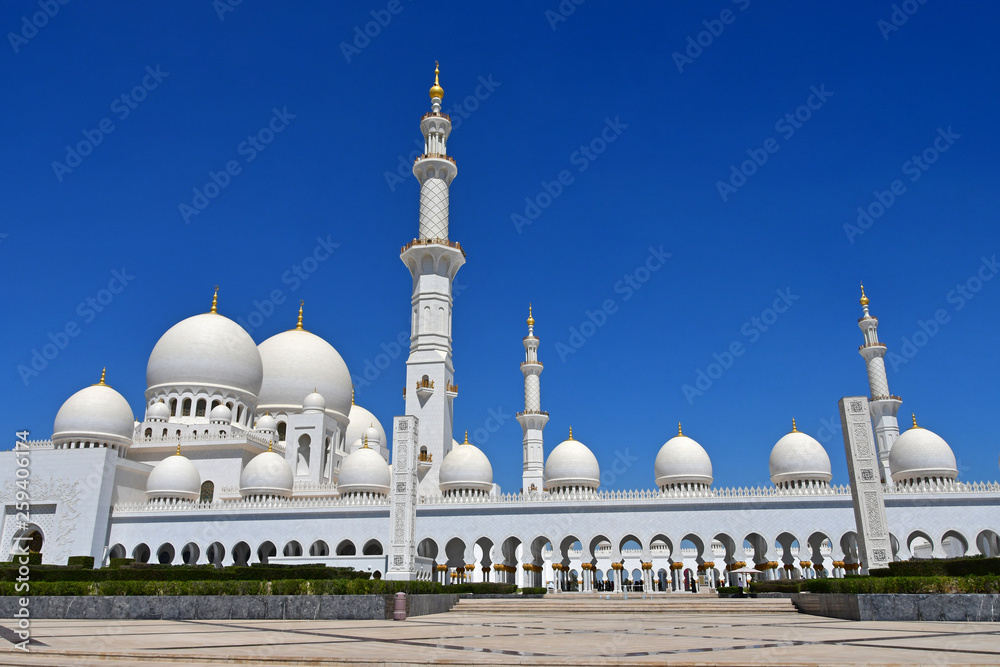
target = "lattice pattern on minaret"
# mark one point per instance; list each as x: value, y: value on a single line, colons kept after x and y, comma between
x: 532, y: 393
x: 876, y: 378
x: 434, y: 209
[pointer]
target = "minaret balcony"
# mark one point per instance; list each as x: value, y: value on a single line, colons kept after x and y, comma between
x: 444, y: 242
x: 425, y: 388
x: 451, y: 390
x: 435, y: 114
x: 887, y: 397
x: 870, y: 345
x: 438, y: 156
x: 424, y: 461
x: 532, y: 412
x: 532, y: 363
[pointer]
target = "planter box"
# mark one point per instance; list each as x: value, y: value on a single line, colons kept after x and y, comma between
x: 224, y: 607
x: 899, y: 607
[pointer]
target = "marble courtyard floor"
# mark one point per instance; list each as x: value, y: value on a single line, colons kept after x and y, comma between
x: 459, y: 638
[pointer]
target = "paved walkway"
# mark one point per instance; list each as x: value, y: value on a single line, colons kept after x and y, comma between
x: 459, y: 638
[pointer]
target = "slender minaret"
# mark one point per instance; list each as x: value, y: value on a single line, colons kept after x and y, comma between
x: 433, y: 261
x: 884, y: 405
x: 532, y: 420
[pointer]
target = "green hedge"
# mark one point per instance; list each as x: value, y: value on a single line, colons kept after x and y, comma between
x: 775, y: 586
x: 247, y: 587
x: 145, y: 572
x: 941, y: 567
x: 856, y: 585
x: 86, y: 562
x: 481, y: 588
x: 728, y: 590
x: 533, y: 590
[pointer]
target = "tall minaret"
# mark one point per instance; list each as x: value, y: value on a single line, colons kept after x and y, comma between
x: 532, y: 420
x: 433, y: 261
x: 884, y: 405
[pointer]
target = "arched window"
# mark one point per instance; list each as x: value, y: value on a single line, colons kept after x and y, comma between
x: 216, y: 404
x: 239, y: 414
x: 281, y: 431
x: 207, y: 492
x: 200, y: 411
x: 164, y: 433
x: 173, y: 407
x: 186, y: 408
x: 149, y: 433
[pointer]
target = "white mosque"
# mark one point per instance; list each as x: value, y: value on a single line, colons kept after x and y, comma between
x: 258, y: 453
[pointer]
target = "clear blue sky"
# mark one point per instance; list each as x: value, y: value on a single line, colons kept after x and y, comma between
x: 682, y: 117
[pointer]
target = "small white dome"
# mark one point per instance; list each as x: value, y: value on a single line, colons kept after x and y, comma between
x: 206, y: 350
x: 361, y: 421
x: 466, y: 467
x: 267, y: 474
x: 175, y: 477
x: 918, y: 454
x: 797, y: 457
x: 158, y: 412
x: 97, y: 414
x: 266, y: 424
x: 363, y: 471
x: 572, y: 464
x: 681, y: 460
x: 298, y: 362
x: 221, y: 414
x: 314, y: 402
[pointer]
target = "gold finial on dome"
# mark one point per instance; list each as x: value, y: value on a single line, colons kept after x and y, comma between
x: 298, y: 327
x: 352, y: 394
x: 178, y: 448
x: 531, y: 318
x: 679, y: 431
x: 365, y: 444
x: 215, y: 301
x: 270, y: 445
x: 436, y: 90
x: 864, y: 299
x: 466, y: 437
x: 570, y: 433
x: 915, y: 420
x: 794, y: 430
x: 104, y: 372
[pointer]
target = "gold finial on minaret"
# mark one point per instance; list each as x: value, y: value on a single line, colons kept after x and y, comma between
x: 103, y: 374
x: 436, y: 90
x: 570, y: 433
x: 298, y: 327
x: 215, y: 301
x: 864, y: 299
x: 794, y: 430
x: 531, y: 318
x: 679, y: 431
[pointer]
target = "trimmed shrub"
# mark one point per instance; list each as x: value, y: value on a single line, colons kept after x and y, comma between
x: 119, y: 562
x: 85, y: 562
x: 939, y: 567
x: 777, y: 586
x: 157, y: 572
x: 905, y: 585
x: 533, y: 590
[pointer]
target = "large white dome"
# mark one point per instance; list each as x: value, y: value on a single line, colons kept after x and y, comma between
x: 571, y: 464
x: 175, y: 477
x: 797, y: 457
x: 466, y: 467
x: 363, y: 471
x: 267, y: 474
x: 298, y: 363
x: 96, y: 414
x: 361, y: 421
x: 206, y: 350
x: 918, y: 454
x: 681, y: 460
